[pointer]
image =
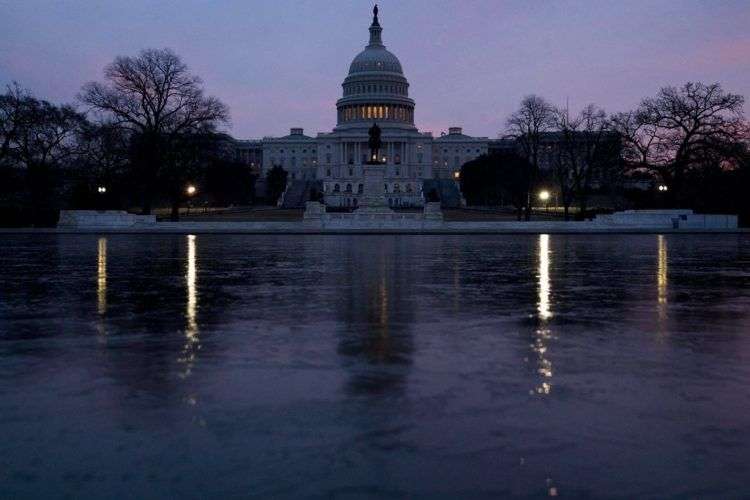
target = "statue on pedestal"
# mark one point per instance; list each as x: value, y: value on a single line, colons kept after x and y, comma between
x: 375, y: 143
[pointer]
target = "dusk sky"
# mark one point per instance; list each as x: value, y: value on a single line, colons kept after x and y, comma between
x: 280, y: 64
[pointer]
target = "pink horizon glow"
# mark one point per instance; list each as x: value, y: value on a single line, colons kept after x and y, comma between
x: 280, y: 65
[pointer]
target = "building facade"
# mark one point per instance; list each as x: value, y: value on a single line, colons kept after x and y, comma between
x: 375, y: 91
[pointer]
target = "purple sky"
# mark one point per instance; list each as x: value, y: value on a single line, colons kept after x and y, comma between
x: 280, y: 63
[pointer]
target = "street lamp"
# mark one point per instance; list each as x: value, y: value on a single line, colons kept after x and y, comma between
x: 190, y: 191
x: 456, y: 175
x: 663, y: 188
x: 101, y: 189
x: 544, y: 197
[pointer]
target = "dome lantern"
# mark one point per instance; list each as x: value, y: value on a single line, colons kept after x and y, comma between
x: 376, y: 39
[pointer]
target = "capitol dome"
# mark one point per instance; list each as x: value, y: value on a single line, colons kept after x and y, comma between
x: 375, y: 89
x: 375, y: 58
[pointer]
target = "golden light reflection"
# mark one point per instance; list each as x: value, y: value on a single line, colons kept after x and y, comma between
x: 544, y: 314
x: 662, y: 280
x: 544, y: 285
x: 192, y: 300
x: 191, y: 307
x: 101, y: 277
x: 661, y: 276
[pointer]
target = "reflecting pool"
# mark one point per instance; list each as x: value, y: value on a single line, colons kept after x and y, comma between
x: 374, y: 366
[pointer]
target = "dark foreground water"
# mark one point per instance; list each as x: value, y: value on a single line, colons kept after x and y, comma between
x: 374, y: 366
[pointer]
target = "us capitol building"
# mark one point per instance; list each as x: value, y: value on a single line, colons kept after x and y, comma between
x: 375, y: 91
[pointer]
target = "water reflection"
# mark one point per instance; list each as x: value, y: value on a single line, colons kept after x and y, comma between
x: 376, y: 343
x: 544, y: 313
x: 101, y: 277
x: 191, y: 305
x: 543, y: 272
x: 662, y: 283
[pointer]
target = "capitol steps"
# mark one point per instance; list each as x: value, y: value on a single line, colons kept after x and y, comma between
x: 298, y: 192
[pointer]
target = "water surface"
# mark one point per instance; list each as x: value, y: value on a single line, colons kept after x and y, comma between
x: 374, y: 366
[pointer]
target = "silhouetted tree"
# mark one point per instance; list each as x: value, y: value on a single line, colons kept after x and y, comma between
x: 156, y: 98
x: 534, y: 117
x: 185, y: 162
x: 275, y: 183
x: 681, y: 129
x: 15, y: 105
x: 38, y: 141
x: 586, y: 149
x: 102, y: 160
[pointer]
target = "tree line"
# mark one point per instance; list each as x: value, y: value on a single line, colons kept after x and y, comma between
x: 136, y: 138
x: 690, y: 140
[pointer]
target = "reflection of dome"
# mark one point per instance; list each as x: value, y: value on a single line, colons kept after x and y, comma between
x: 376, y: 89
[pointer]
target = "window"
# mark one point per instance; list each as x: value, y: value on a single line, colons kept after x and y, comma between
x: 328, y: 158
x: 419, y: 158
x: 385, y: 188
x: 336, y: 188
x: 328, y: 172
x: 348, y: 188
x: 409, y: 188
x: 396, y: 188
x: 351, y: 171
x: 360, y: 189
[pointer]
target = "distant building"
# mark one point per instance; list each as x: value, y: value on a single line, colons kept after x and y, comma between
x: 374, y: 91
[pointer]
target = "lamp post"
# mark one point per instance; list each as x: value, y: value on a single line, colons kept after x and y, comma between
x: 191, y: 190
x: 544, y: 197
x: 102, y: 190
